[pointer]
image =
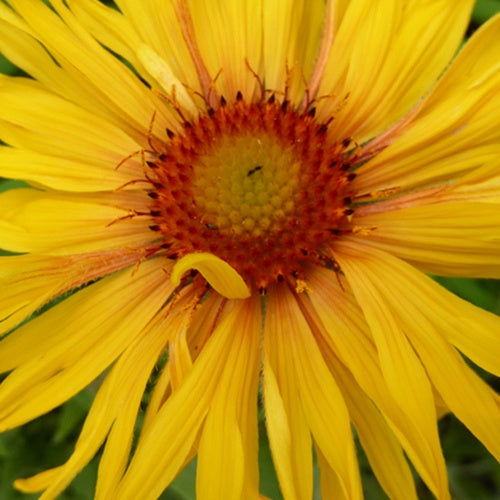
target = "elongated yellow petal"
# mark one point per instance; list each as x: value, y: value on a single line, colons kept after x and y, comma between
x: 27, y: 282
x: 398, y: 51
x: 159, y: 28
x: 115, y: 407
x: 180, y: 362
x: 57, y: 224
x: 287, y: 428
x: 163, y: 74
x: 137, y: 363
x: 481, y: 185
x: 322, y: 404
x: 467, y: 396
x: 203, y: 322
x: 200, y: 329
x: 73, y: 356
x: 101, y: 76
x: 228, y: 51
x: 18, y: 45
x: 34, y: 119
x: 221, y: 461
x: 329, y: 483
x: 222, y: 456
x: 110, y: 27
x: 61, y: 173
x: 219, y: 274
x: 22, y: 293
x: 375, y: 27
x: 379, y: 442
x: 164, y: 446
x: 456, y: 129
x: 350, y: 339
x: 401, y: 368
x: 39, y: 481
x: 291, y: 44
x: 289, y: 437
x: 381, y: 447
x: 449, y: 239
x: 247, y: 402
x: 159, y: 395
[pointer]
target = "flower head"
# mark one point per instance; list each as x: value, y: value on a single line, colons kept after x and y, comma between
x: 245, y: 194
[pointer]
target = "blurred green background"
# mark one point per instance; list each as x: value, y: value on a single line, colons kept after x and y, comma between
x: 48, y: 441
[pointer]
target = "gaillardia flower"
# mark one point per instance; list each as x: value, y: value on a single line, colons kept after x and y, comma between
x: 241, y: 195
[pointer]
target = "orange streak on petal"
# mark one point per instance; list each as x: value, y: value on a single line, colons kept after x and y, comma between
x: 323, y: 54
x: 187, y: 28
x: 383, y: 140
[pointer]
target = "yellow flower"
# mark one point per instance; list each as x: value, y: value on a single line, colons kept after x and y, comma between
x: 254, y: 191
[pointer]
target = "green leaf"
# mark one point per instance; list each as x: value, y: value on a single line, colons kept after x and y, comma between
x: 484, y: 9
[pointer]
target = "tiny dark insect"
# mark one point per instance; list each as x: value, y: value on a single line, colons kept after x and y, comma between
x: 212, y: 227
x: 253, y: 170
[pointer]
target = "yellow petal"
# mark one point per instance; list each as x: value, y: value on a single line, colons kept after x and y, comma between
x: 219, y: 274
x: 19, y: 46
x: 136, y: 364
x: 351, y: 340
x: 329, y: 483
x: 27, y: 282
x: 115, y: 407
x: 91, y: 71
x: 58, y: 224
x: 222, y: 458
x: 159, y: 29
x: 462, y: 390
x: 387, y: 55
x: 39, y: 481
x: 289, y: 437
x: 310, y: 381
x: 290, y: 44
x: 379, y: 442
x: 374, y: 27
x: 55, y: 366
x: 227, y: 51
x: 163, y: 74
x: 456, y: 129
x: 482, y: 185
x: 163, y: 447
x: 93, y: 434
x: 159, y: 395
x: 402, y: 369
x: 287, y: 429
x: 247, y: 402
x: 61, y: 173
x: 448, y: 239
x: 202, y: 324
x: 221, y: 461
x: 109, y: 26
x: 34, y: 119
x: 180, y: 362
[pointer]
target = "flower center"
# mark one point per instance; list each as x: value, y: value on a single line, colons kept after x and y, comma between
x: 258, y: 185
x: 247, y: 184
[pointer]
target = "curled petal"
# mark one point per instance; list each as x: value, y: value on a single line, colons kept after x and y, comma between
x: 219, y: 274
